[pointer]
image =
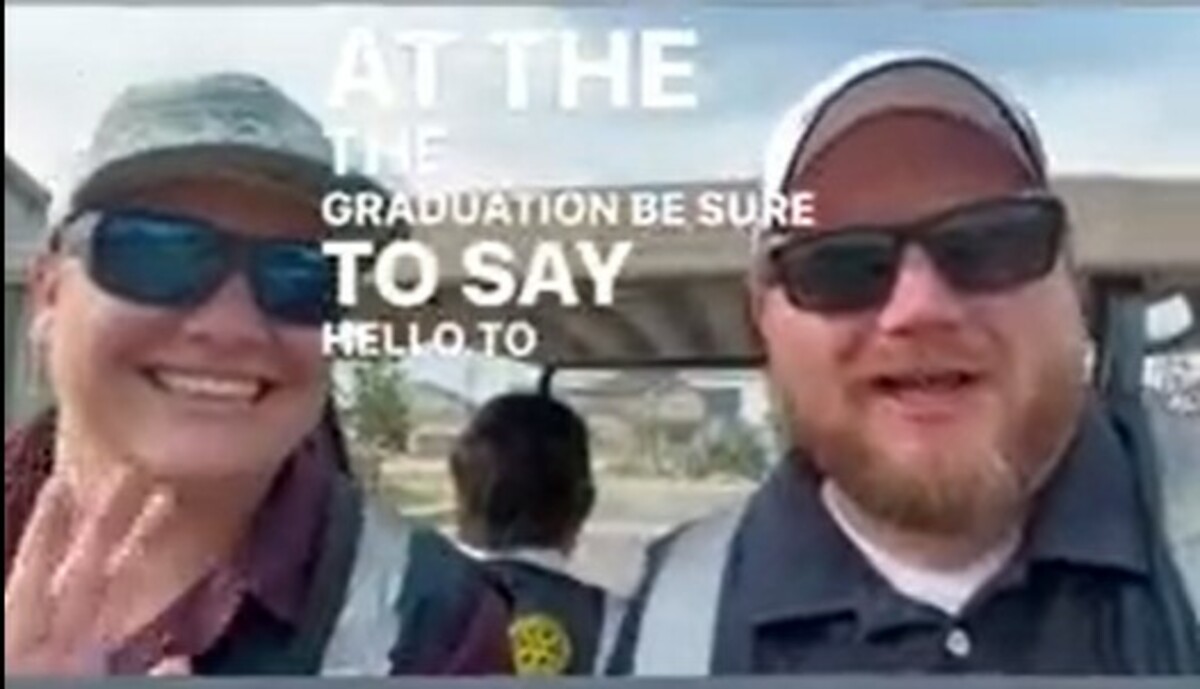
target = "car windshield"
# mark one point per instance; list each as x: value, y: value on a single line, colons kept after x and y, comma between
x: 669, y: 444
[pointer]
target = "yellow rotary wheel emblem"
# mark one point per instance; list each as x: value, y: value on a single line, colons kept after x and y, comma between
x: 540, y: 645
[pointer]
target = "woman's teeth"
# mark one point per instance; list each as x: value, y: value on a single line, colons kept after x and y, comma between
x: 216, y: 387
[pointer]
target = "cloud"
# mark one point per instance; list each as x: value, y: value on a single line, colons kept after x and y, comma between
x: 58, y: 78
x: 1110, y: 107
x: 1108, y: 87
x: 63, y: 65
x: 1132, y: 123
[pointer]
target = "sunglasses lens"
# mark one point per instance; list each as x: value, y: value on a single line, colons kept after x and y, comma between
x: 157, y: 260
x: 838, y: 271
x: 293, y: 282
x: 1000, y: 246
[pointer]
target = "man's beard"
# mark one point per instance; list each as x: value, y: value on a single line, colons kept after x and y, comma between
x: 974, y: 483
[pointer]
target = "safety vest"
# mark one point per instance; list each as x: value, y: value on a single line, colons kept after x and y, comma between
x: 1177, y: 440
x: 540, y: 642
x: 1160, y: 446
x: 556, y: 616
x: 683, y: 599
x: 368, y: 625
x: 378, y: 585
x: 614, y: 617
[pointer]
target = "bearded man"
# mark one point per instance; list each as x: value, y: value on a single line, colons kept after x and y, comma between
x: 955, y: 500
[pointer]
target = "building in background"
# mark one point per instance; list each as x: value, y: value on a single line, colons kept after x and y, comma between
x: 25, y: 207
x: 664, y: 421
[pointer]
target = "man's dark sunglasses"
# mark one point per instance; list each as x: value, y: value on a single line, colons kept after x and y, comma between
x: 984, y: 247
x: 179, y: 262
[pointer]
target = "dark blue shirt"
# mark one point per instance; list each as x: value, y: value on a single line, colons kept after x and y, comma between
x: 1080, y: 597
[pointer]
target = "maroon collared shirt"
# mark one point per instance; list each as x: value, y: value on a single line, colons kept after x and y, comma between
x: 272, y: 566
x: 270, y: 575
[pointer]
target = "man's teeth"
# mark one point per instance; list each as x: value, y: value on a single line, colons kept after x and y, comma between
x: 218, y: 387
x: 949, y: 380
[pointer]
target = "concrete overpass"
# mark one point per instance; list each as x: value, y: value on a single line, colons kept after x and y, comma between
x: 680, y: 299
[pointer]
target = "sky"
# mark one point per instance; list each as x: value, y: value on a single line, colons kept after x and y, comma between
x: 1107, y: 85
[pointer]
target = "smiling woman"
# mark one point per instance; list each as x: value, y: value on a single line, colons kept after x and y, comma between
x: 139, y: 321
x: 180, y: 507
x: 181, y: 389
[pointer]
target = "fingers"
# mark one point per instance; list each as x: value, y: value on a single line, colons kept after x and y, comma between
x: 59, y: 590
x: 173, y: 666
x: 155, y: 510
x: 78, y: 586
x: 27, y: 593
x: 44, y: 541
x: 102, y: 523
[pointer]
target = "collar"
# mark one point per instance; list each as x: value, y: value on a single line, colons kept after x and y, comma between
x: 1088, y: 515
x: 543, y: 558
x: 283, y: 542
x: 271, y: 565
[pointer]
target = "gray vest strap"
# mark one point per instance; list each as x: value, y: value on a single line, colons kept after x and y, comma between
x: 614, y: 616
x: 679, y: 621
x: 368, y: 626
x: 1177, y: 440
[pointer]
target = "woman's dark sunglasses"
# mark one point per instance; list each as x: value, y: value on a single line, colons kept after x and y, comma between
x: 173, y: 261
x: 984, y: 247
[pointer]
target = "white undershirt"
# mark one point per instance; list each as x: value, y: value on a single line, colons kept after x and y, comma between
x: 945, y: 589
x: 546, y: 558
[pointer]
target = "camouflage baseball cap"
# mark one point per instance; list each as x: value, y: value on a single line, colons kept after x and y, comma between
x: 217, y: 125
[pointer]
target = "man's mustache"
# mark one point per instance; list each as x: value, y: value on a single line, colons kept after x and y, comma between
x: 928, y: 355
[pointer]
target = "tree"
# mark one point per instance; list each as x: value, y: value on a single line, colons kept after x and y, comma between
x: 731, y: 448
x: 377, y: 406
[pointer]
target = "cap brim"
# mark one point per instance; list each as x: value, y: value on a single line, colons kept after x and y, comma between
x: 303, y: 177
x: 919, y: 86
x: 881, y: 82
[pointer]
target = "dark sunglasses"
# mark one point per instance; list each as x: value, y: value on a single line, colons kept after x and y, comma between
x: 983, y: 247
x: 173, y: 261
